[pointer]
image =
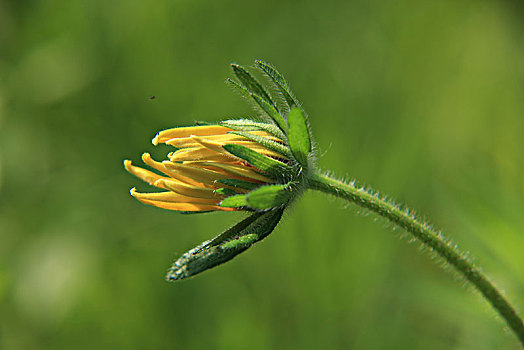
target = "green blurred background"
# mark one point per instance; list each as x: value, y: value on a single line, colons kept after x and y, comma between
x: 423, y: 100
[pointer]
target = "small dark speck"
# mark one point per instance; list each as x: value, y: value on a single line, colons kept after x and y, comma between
x: 236, y: 237
x: 152, y: 97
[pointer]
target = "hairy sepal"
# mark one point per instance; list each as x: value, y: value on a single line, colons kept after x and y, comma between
x: 235, y: 201
x: 226, y: 246
x: 268, y: 110
x: 279, y: 81
x: 245, y: 185
x: 264, y: 141
x: 251, y: 84
x: 270, y: 196
x: 251, y: 125
x: 273, y: 168
x: 298, y: 136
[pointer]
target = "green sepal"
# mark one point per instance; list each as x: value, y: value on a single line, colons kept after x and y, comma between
x: 203, y: 123
x: 279, y: 81
x: 264, y: 141
x: 251, y: 84
x: 226, y: 246
x: 235, y: 201
x: 298, y: 136
x: 196, y: 212
x: 271, y: 196
x: 250, y: 125
x: 249, y: 96
x: 238, y: 87
x: 226, y: 191
x: 270, y: 166
x: 245, y: 185
x: 248, y: 239
x: 270, y: 111
x: 233, y: 231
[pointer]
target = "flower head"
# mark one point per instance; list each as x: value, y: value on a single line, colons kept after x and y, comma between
x: 201, y: 173
x: 241, y: 164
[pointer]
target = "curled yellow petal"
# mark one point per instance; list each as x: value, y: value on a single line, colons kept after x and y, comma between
x: 143, y: 174
x: 146, y: 158
x: 187, y: 190
x: 214, y: 146
x: 185, y: 142
x: 170, y: 201
x: 206, y: 176
x: 203, y: 130
x: 217, y: 147
x: 170, y: 197
x: 235, y: 169
x: 183, y: 206
x: 222, y: 139
x: 200, y: 153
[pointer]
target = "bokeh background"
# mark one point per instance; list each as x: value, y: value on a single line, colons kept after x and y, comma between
x: 423, y: 100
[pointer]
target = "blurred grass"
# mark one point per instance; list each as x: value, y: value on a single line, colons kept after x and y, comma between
x: 422, y: 100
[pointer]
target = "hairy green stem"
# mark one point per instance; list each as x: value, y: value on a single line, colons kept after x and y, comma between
x: 425, y: 234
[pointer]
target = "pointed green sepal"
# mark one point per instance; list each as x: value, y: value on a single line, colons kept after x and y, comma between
x: 238, y: 87
x: 226, y: 246
x: 264, y: 115
x: 271, y: 196
x: 250, y: 83
x: 268, y: 110
x: 245, y: 185
x: 271, y: 111
x: 196, y: 212
x: 235, y: 201
x: 203, y: 123
x: 298, y: 136
x: 279, y: 81
x: 232, y: 232
x: 250, y: 125
x: 264, y: 141
x: 270, y: 166
x: 226, y: 191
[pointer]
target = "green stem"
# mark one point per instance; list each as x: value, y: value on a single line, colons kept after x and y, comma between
x: 425, y: 234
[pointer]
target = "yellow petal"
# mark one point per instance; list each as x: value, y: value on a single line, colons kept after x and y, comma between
x: 214, y: 146
x: 203, y: 130
x: 183, y: 206
x: 235, y: 169
x: 200, y: 153
x: 143, y: 174
x: 217, y: 147
x: 146, y: 157
x: 184, y: 142
x: 187, y: 190
x: 222, y: 139
x: 206, y: 176
x: 171, y: 197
